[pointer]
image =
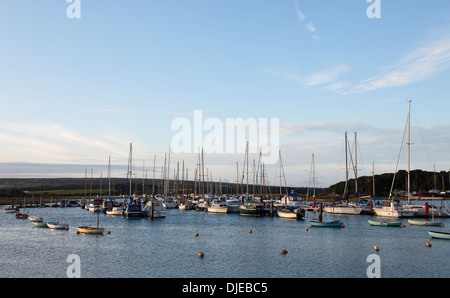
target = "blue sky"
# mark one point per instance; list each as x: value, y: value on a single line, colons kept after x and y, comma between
x: 77, y: 90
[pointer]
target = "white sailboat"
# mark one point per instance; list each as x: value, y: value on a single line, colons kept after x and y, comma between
x: 393, y: 208
x: 345, y: 208
x: 93, y: 230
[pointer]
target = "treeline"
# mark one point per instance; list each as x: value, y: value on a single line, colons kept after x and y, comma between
x: 421, y: 181
x: 120, y: 186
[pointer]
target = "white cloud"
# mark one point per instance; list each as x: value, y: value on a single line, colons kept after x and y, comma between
x: 416, y: 66
x: 52, y: 142
x: 321, y: 77
x: 308, y: 26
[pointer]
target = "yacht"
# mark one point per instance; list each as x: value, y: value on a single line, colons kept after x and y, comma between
x: 154, y: 209
x: 218, y: 207
x: 392, y: 209
x: 233, y: 205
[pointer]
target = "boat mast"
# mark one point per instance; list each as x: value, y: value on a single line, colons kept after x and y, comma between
x: 346, y: 169
x: 356, y: 168
x: 314, y: 182
x: 409, y: 155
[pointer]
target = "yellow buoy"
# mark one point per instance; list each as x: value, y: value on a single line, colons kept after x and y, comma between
x: 376, y: 248
x: 283, y: 251
x: 428, y: 244
x: 201, y: 254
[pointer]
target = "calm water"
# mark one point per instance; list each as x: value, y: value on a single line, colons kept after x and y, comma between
x: 168, y: 248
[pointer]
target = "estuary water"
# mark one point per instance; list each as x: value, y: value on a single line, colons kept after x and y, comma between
x: 168, y: 248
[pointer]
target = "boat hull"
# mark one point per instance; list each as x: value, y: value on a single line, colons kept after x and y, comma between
x: 91, y: 230
x: 348, y: 210
x: 439, y: 235
x: 289, y: 214
x: 218, y: 209
x: 385, y: 223
x: 39, y: 224
x: 115, y: 211
x: 57, y: 226
x: 325, y: 224
x: 424, y: 223
x: 251, y: 210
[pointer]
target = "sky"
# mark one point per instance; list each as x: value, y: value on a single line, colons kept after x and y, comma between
x: 81, y: 80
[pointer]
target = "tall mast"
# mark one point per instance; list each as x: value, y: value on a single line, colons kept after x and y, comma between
x: 237, y: 178
x: 356, y: 168
x: 409, y: 156
x: 346, y: 169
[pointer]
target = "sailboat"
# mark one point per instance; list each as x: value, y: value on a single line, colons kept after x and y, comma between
x: 23, y: 215
x: 345, y: 208
x: 431, y: 222
x: 250, y: 207
x: 93, y: 230
x: 319, y: 222
x: 36, y: 218
x: 330, y: 224
x: 393, y: 208
x: 56, y: 225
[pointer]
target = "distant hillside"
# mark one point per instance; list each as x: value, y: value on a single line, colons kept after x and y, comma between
x: 420, y: 181
x: 17, y: 187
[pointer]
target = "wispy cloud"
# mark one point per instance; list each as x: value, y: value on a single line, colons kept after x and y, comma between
x: 416, y: 66
x: 321, y: 77
x: 52, y: 142
x: 309, y: 26
x: 328, y: 78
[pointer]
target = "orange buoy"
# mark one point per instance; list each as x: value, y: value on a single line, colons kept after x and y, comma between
x: 376, y: 248
x: 283, y: 251
x: 109, y: 232
x: 306, y: 229
x: 196, y: 234
x: 201, y: 254
x: 250, y: 231
x: 428, y: 244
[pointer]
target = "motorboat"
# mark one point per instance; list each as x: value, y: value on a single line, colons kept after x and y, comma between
x: 393, y: 209
x: 133, y: 210
x: 115, y: 211
x: 218, y: 207
x: 154, y: 209
x: 291, y: 213
x: 233, y: 205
